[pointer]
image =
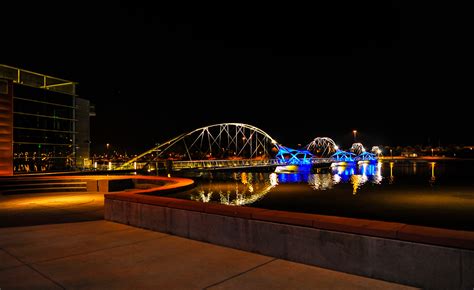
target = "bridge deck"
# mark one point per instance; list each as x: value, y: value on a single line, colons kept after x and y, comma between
x: 236, y: 164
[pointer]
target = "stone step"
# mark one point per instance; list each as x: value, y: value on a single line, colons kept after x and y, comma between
x: 42, y: 185
x: 43, y: 190
x: 7, y: 181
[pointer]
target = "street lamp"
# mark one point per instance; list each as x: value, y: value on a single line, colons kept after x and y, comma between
x: 108, y: 145
x: 355, y: 134
x: 432, y: 152
x: 391, y: 156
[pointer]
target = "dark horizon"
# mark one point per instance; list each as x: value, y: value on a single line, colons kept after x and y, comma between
x: 153, y: 74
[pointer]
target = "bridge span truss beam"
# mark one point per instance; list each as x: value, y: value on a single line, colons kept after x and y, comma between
x: 219, y: 141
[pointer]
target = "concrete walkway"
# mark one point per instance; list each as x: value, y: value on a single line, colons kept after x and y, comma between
x: 50, y: 208
x: 106, y: 255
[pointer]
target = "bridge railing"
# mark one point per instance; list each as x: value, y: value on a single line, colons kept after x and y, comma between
x: 203, y: 164
x: 321, y: 160
x: 177, y: 165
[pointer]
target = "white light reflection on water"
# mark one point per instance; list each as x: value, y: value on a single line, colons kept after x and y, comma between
x: 273, y: 179
x: 336, y: 178
x: 355, y: 174
x: 321, y: 181
x: 246, y: 188
x: 433, y: 176
x: 377, y: 179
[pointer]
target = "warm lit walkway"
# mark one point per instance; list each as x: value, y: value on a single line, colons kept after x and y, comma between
x: 50, y: 208
x: 105, y: 255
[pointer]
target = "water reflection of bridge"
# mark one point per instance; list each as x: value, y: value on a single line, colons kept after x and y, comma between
x: 243, y: 191
x: 238, y: 146
x: 246, y: 187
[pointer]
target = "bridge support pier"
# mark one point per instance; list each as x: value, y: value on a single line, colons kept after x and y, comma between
x: 168, y: 166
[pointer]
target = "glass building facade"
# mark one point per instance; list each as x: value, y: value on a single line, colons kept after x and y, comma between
x: 45, y: 125
x: 43, y: 135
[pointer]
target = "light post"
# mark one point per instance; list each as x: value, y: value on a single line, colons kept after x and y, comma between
x: 107, y: 146
x: 391, y: 156
x: 432, y: 152
x: 355, y: 134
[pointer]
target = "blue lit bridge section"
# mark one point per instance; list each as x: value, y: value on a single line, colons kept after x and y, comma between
x: 343, y: 156
x: 290, y: 156
x: 366, y: 156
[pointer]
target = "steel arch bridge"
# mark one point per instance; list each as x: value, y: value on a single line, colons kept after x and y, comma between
x: 233, y: 143
x: 238, y: 145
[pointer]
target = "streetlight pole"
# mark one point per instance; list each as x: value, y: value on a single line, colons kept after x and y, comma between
x: 391, y: 156
x: 355, y: 134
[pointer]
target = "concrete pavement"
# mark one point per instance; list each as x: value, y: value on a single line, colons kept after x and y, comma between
x: 60, y: 241
x: 50, y: 208
x: 106, y: 255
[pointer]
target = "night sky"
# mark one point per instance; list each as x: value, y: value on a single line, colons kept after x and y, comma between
x: 154, y: 72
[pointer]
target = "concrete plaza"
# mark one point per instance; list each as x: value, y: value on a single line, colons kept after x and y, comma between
x: 71, y: 247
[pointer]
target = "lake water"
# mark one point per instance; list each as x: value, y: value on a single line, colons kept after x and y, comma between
x: 438, y: 194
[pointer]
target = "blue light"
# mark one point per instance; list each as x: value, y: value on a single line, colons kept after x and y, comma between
x: 293, y: 156
x: 305, y: 167
x: 343, y: 156
x: 366, y: 156
x: 293, y: 177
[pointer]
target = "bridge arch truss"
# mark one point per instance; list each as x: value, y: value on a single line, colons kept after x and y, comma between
x: 322, y: 147
x: 218, y: 141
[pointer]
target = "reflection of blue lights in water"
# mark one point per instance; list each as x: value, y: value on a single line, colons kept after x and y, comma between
x: 370, y: 169
x: 349, y: 169
x: 293, y: 177
x: 305, y: 168
x: 341, y: 173
x: 344, y: 171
